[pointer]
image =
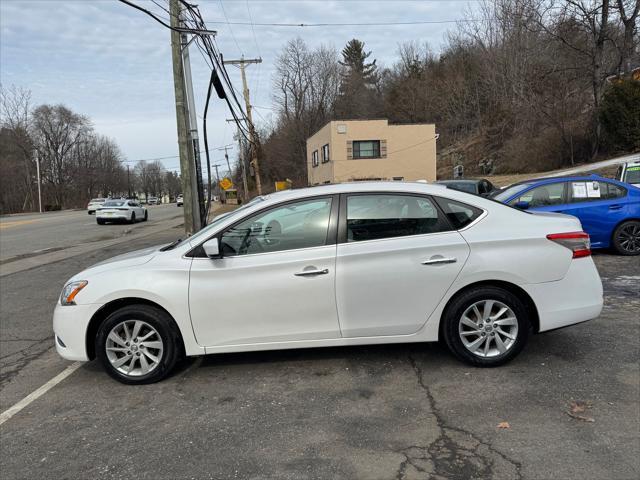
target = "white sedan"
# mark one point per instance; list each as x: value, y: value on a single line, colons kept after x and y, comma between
x: 121, y: 211
x: 94, y: 204
x: 336, y: 265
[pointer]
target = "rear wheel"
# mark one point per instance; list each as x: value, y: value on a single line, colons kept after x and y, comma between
x: 138, y: 344
x: 486, y: 326
x: 133, y: 217
x: 146, y: 216
x: 100, y: 221
x: 626, y: 238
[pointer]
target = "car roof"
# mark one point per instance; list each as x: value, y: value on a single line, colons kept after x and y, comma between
x: 463, y: 180
x: 571, y: 178
x: 358, y: 187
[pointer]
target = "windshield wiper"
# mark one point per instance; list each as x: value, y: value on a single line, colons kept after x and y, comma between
x: 172, y: 245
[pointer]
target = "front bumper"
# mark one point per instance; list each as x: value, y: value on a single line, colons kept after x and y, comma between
x: 574, y: 299
x: 70, y: 325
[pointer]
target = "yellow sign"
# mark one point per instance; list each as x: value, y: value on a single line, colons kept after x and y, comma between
x: 226, y: 183
x: 285, y: 185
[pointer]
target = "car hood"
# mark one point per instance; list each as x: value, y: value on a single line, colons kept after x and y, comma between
x: 131, y: 259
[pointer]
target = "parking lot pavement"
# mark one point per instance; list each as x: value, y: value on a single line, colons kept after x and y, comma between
x: 398, y: 411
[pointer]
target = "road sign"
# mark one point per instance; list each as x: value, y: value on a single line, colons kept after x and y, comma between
x: 284, y: 185
x: 226, y: 183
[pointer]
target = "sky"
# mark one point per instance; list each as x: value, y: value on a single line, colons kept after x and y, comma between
x: 112, y: 63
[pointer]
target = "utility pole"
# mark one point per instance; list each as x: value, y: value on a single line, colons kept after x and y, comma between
x: 188, y: 142
x: 252, y: 133
x: 38, y: 175
x: 243, y: 166
x: 128, y: 181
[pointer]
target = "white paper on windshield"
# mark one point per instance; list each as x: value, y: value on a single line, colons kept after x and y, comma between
x: 579, y: 190
x: 593, y: 190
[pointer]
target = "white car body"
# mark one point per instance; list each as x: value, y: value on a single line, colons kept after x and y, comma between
x: 629, y: 173
x: 121, y: 211
x: 94, y: 204
x: 373, y: 291
x: 179, y: 200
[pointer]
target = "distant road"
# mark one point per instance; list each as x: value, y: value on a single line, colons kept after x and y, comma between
x: 30, y: 234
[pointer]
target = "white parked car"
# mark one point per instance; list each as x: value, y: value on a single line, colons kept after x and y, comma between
x: 153, y: 201
x: 629, y: 173
x: 179, y: 200
x: 94, y: 204
x: 121, y: 211
x: 336, y: 265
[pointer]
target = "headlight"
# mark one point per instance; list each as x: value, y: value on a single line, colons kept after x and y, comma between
x: 70, y: 291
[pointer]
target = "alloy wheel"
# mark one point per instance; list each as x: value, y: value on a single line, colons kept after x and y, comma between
x: 488, y: 328
x: 629, y: 238
x: 134, y: 348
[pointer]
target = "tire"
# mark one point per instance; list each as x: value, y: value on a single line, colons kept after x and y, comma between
x: 151, y: 319
x: 454, y: 330
x: 89, y: 212
x: 133, y: 217
x: 626, y: 238
x: 100, y: 221
x: 146, y: 216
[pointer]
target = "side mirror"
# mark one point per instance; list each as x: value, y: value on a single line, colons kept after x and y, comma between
x: 212, y: 248
x: 522, y: 205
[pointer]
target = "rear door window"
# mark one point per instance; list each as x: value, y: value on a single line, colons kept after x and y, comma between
x: 591, y: 191
x: 459, y: 214
x: 374, y: 217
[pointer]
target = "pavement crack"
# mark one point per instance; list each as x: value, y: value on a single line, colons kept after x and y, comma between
x: 456, y: 453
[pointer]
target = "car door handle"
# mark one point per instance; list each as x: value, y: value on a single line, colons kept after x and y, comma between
x: 310, y: 273
x: 439, y: 260
x: 615, y: 207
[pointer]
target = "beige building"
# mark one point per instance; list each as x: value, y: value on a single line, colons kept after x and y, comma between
x: 354, y: 150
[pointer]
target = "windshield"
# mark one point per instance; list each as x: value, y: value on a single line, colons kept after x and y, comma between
x: 511, y: 191
x: 632, y: 175
x: 206, y: 231
x: 113, y: 204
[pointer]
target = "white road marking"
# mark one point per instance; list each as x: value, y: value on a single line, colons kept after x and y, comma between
x: 10, y: 412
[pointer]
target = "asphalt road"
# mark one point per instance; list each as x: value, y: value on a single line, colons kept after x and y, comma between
x: 381, y: 412
x: 31, y: 234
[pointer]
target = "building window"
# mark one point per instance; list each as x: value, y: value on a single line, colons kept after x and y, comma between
x: 325, y: 153
x: 314, y: 158
x: 398, y: 179
x: 366, y: 149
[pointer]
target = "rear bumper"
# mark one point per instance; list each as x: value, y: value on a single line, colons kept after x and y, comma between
x: 115, y: 216
x: 574, y: 299
x: 70, y: 325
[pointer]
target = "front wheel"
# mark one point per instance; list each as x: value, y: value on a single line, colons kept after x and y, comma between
x: 146, y: 216
x: 138, y: 344
x: 486, y: 326
x: 626, y: 238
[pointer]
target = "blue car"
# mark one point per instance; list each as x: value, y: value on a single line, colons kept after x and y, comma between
x: 609, y: 210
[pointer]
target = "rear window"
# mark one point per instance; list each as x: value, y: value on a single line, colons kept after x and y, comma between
x: 114, y: 204
x: 459, y: 214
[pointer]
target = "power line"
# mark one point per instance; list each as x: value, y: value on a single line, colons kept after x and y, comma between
x: 230, y: 29
x: 359, y: 24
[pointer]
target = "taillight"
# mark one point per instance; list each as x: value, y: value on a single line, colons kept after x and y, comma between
x: 577, y: 242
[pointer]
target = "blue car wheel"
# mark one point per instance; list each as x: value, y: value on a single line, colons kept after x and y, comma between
x: 626, y: 238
